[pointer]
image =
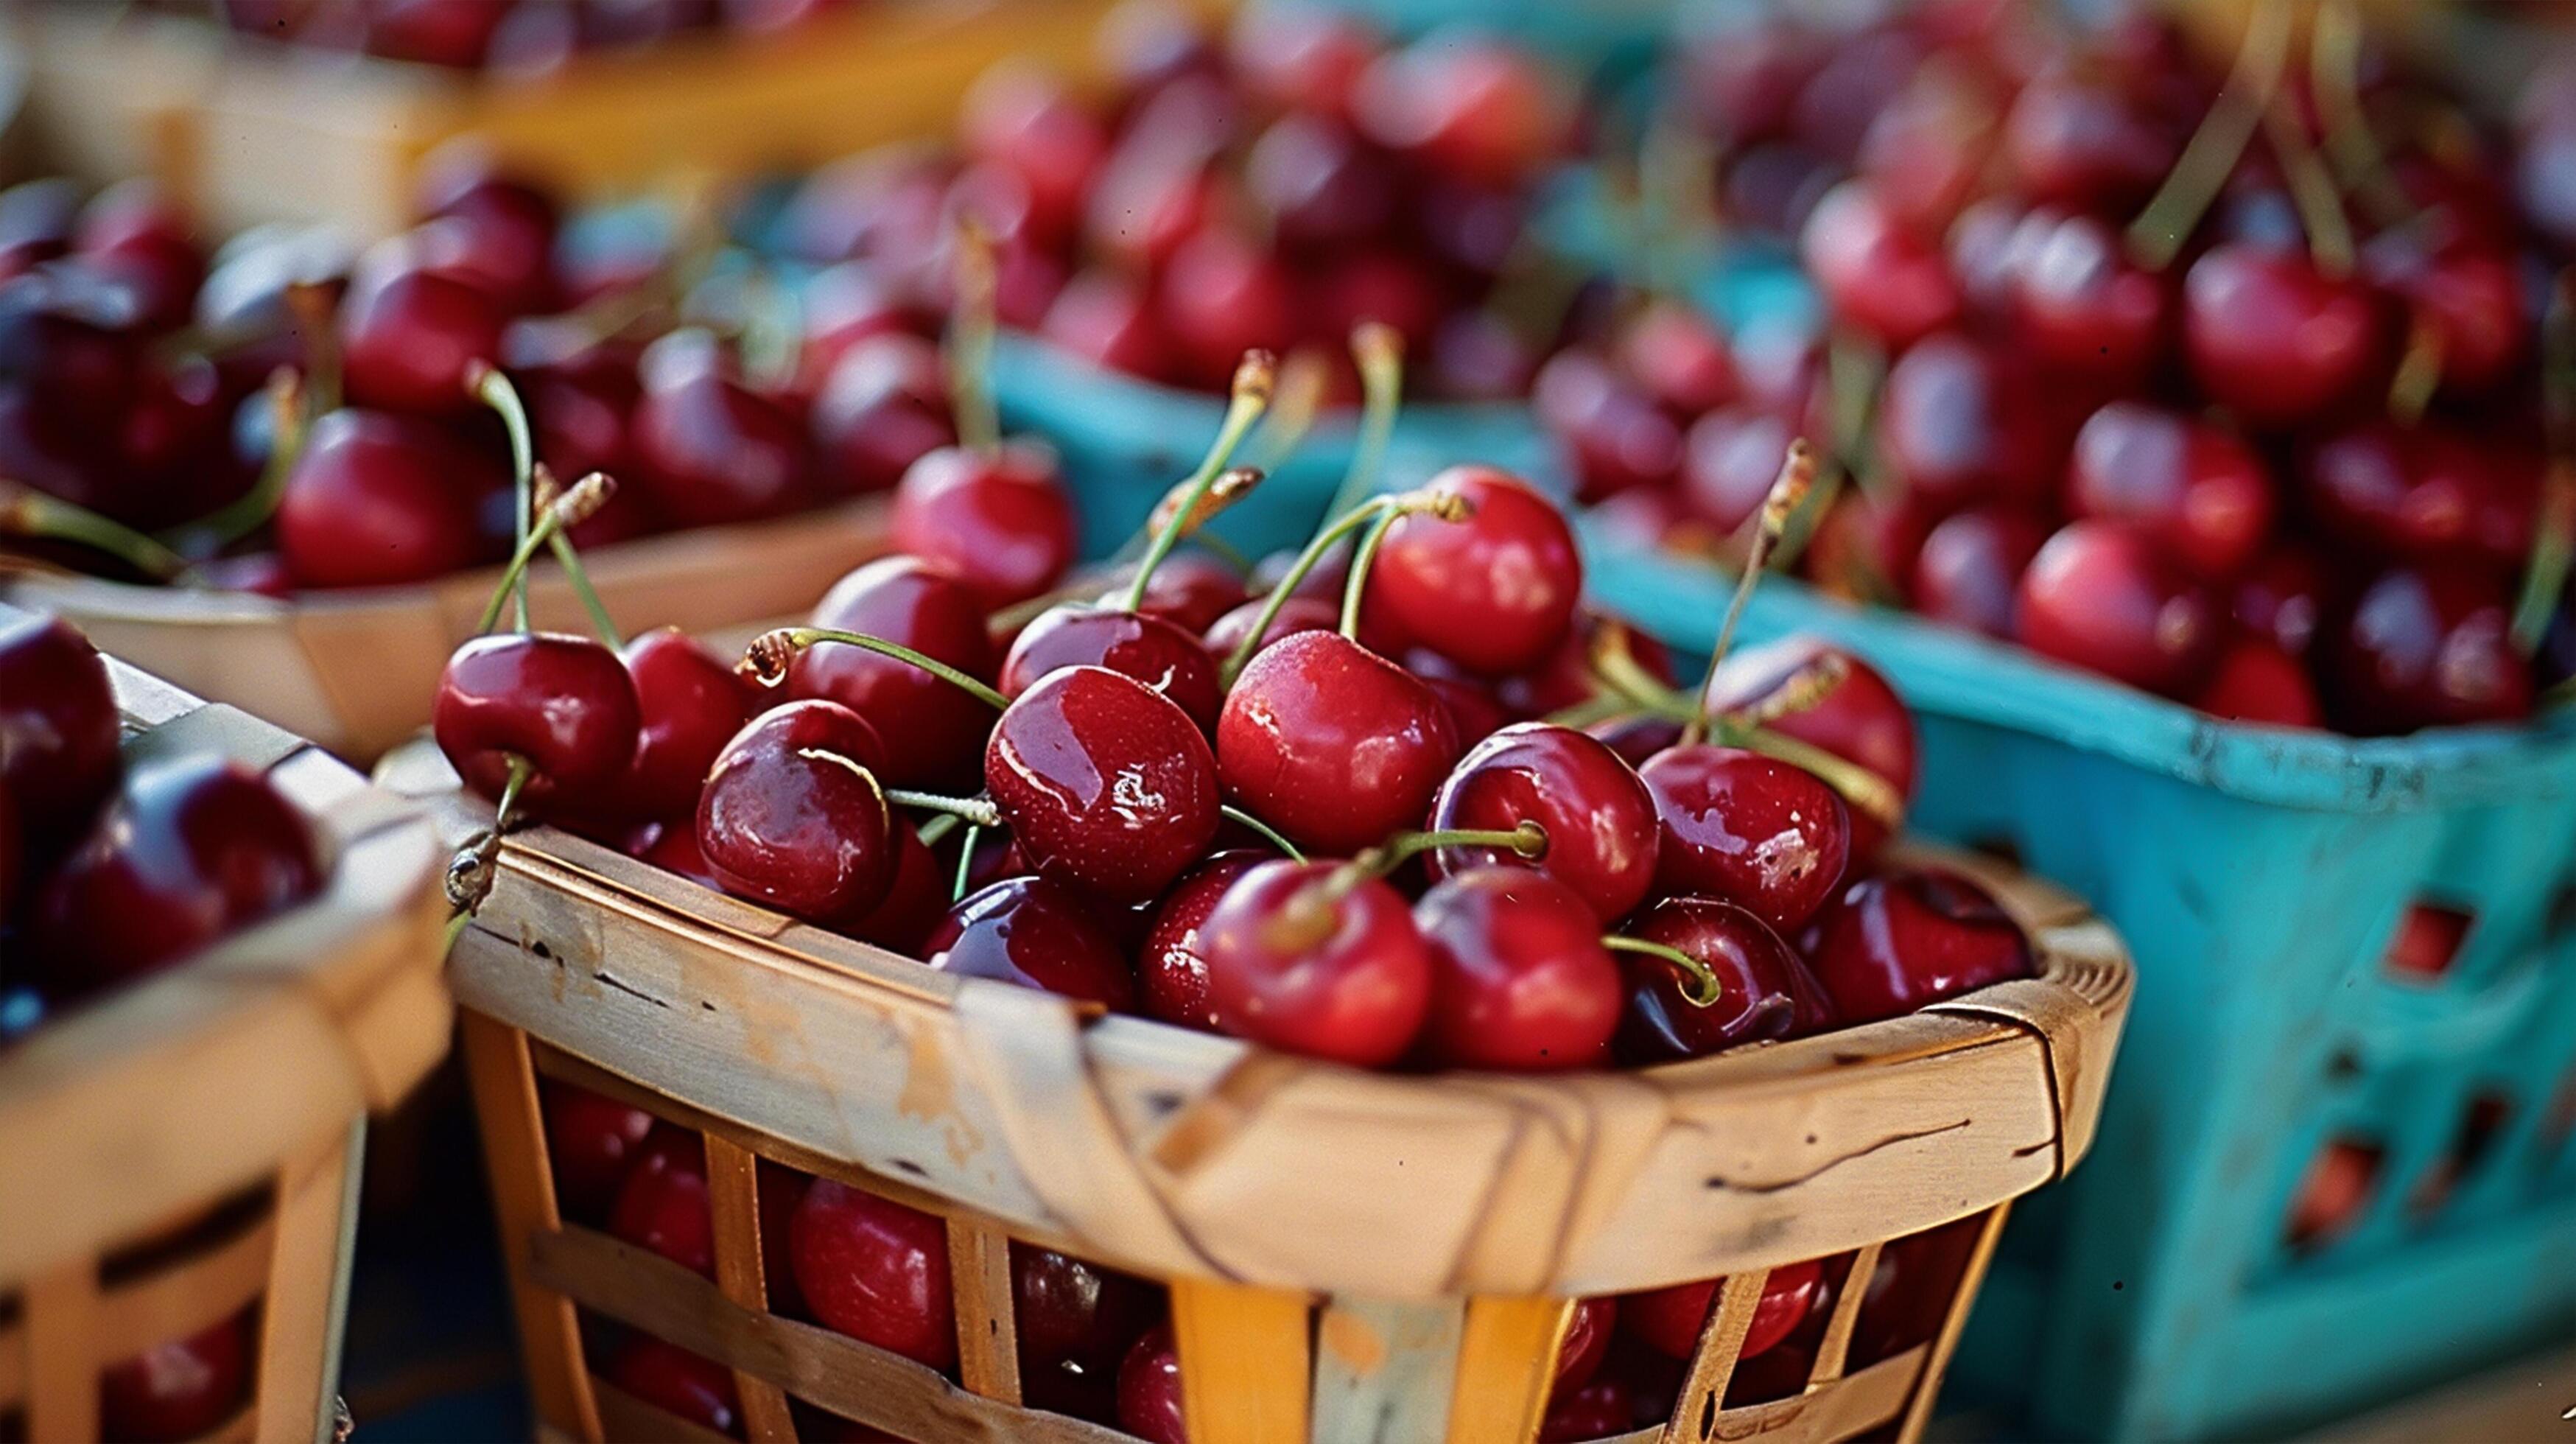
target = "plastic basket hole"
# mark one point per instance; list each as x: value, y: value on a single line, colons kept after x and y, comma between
x: 2003, y: 849
x: 2428, y: 938
x: 2480, y: 1122
x: 2334, y: 1194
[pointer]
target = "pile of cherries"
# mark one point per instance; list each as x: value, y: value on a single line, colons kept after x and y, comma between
x: 1269, y: 188
x: 109, y: 874
x: 518, y: 38
x: 1401, y: 804
x: 2244, y: 394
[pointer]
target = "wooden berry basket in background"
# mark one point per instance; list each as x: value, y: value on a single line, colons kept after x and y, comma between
x: 356, y: 670
x: 1440, y: 1224
x: 189, y: 1147
x: 245, y: 130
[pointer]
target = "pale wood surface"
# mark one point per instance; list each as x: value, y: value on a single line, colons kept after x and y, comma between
x: 1384, y: 1372
x: 979, y: 1272
x: 1506, y: 1363
x: 733, y: 1192
x: 317, y: 1208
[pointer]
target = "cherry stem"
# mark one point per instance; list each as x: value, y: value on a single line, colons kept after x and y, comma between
x: 1700, y: 985
x: 1801, y: 692
x: 2553, y: 543
x: 2312, y: 189
x: 970, y: 341
x: 965, y: 863
x: 471, y: 873
x: 1855, y: 374
x: 930, y: 832
x: 1857, y: 785
x: 765, y: 660
x: 289, y: 418
x: 2418, y: 374
x: 1264, y: 830
x: 1298, y: 397
x: 1446, y: 506
x: 2157, y: 236
x: 316, y: 313
x: 1527, y: 841
x: 1307, y: 560
x: 33, y: 514
x: 2334, y: 64
x: 585, y: 497
x: 492, y: 387
x: 1788, y: 493
x: 1378, y: 350
x: 1254, y: 379
x: 568, y: 557
x: 979, y: 812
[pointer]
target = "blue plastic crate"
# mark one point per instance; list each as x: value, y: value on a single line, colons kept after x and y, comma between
x: 2258, y: 876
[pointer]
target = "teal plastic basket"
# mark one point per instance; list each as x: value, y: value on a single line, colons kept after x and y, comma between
x: 2259, y: 876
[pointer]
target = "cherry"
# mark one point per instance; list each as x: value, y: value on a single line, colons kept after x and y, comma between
x: 1036, y: 934
x: 793, y: 817
x: 689, y: 706
x: 882, y: 407
x: 2271, y: 337
x: 1163, y: 655
x: 933, y: 733
x: 1104, y: 782
x: 1747, y: 829
x: 1310, y: 959
x: 1520, y: 981
x: 1567, y: 678
x: 564, y: 705
x: 1474, y: 711
x: 592, y: 1141
x: 1894, y: 942
x: 2102, y: 595
x: 1597, y: 814
x: 662, y: 1206
x: 1158, y: 192
x: 1192, y: 590
x: 1596, y: 1410
x: 2426, y: 647
x: 1614, y: 435
x: 2200, y: 492
x: 1464, y: 106
x: 1332, y: 744
x: 2282, y: 597
x: 1668, y: 1320
x: 1172, y: 970
x: 58, y: 727
x: 181, y: 1389
x: 1027, y: 120
x: 1149, y: 1383
x: 2428, y: 493
x: 875, y: 1270
x: 1478, y: 355
x: 507, y: 225
x: 1320, y: 185
x: 678, y: 1382
x: 1913, y: 1289
x: 133, y: 232
x: 1860, y: 720
x: 2083, y: 303
x: 2084, y: 145
x: 998, y: 520
x: 1076, y: 1322
x: 1587, y: 1341
x: 2255, y: 681
x: 1957, y: 423
x: 1968, y: 569
x: 1296, y: 614
x: 453, y: 33
x: 1108, y: 319
x: 1729, y: 457
x: 2470, y: 297
x: 1875, y: 275
x: 412, y: 330
x: 1494, y: 592
x: 380, y: 499
x: 1221, y: 296
x: 1764, y: 991
x: 709, y: 450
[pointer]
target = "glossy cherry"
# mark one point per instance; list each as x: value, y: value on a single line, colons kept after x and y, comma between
x: 1297, y: 614
x: 1221, y: 296
x: 1305, y: 962
x: 1163, y: 655
x: 1960, y: 423
x: 1028, y: 120
x: 2103, y: 595
x: 690, y: 705
x: 1894, y: 942
x: 1669, y: 1320
x: 1968, y: 570
x: 133, y: 232
x: 678, y: 1382
x: 2430, y: 493
x: 1596, y: 1410
x: 915, y: 901
x: 933, y: 732
x: 2425, y: 647
x: 180, y: 1389
x: 1036, y: 934
x: 793, y: 817
x: 1747, y: 829
x: 506, y: 225
x: 1615, y: 436
x: 883, y: 405
x: 1105, y: 783
x: 1764, y: 990
x: 1494, y: 592
x: 1465, y: 106
x: 663, y: 1206
x: 875, y: 1270
x: 1520, y: 981
x: 999, y: 521
x: 2082, y: 303
x: 2284, y: 597
x: 592, y: 1141
x: 1586, y: 1343
x: 1861, y: 720
x: 710, y: 450
x: 1191, y: 590
x: 2199, y: 491
x: 566, y: 705
x: 1171, y: 967
x: 58, y: 727
x: 1729, y: 459
x: 1597, y: 813
x: 380, y: 499
x: 1876, y: 275
x: 1332, y: 744
x: 412, y: 330
x: 2277, y: 341
x: 2083, y: 144
x: 1076, y: 1322
x: 1149, y: 1389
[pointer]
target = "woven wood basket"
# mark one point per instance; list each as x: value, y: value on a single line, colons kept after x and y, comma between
x: 188, y: 1148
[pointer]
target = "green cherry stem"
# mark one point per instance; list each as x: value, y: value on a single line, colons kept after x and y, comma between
x: 970, y: 341
x: 1263, y: 830
x: 583, y: 498
x: 2159, y: 233
x: 1379, y: 351
x: 1527, y: 841
x: 25, y: 512
x: 1307, y: 560
x: 1788, y: 493
x: 930, y: 832
x: 1254, y: 379
x: 1700, y: 987
x: 979, y: 812
x: 965, y: 863
x: 2312, y: 189
x: 492, y: 387
x: 290, y: 417
x: 568, y: 557
x: 2334, y: 63
x: 471, y: 873
x: 765, y: 660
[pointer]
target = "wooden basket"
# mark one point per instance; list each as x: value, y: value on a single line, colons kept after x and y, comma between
x: 222, y: 1103
x: 1441, y: 1222
x: 355, y: 671
x: 246, y: 131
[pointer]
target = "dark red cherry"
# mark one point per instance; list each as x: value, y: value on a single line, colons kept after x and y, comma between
x: 1636, y: 738
x: 1149, y: 1387
x: 793, y: 817
x: 1297, y: 614
x: 1332, y: 744
x: 592, y: 1141
x: 2277, y: 341
x: 1958, y: 423
x: 1162, y: 655
x: 1037, y: 934
x: 411, y: 330
x: 1108, y: 318
x: 379, y: 499
x: 673, y: 847
x: 875, y: 1270
x: 565, y: 704
x: 1321, y: 186
x: 1172, y: 971
x: 883, y: 406
x: 1494, y: 592
x: 181, y: 1389
x: 2426, y: 647
x: 2085, y: 145
x: 133, y: 232
x: 1466, y: 106
x: 709, y: 449
x: 1519, y: 979
x: 1969, y: 568
x: 1475, y: 713
x: 1596, y: 1410
x: 933, y: 732
x: 1669, y: 1320
x: 2429, y: 493
x: 453, y: 33
x: 1307, y: 963
x: 58, y: 727
x: 2471, y: 298
x: 1158, y: 192
x: 2283, y: 597
x: 1105, y: 783
x: 507, y: 226
x: 2083, y: 304
x: 2255, y: 681
x: 1221, y: 296
x: 1730, y: 458
x: 1598, y: 815
x: 1587, y: 1341
x: 2199, y: 491
x: 915, y: 901
x: 1029, y: 121
x: 1746, y: 829
x: 847, y: 305
x: 1302, y: 58
x: 1874, y: 274
x: 670, y: 1378
x: 1861, y: 720
x: 1191, y: 590
x: 690, y: 705
x: 663, y: 1204
x: 1075, y: 1322
x: 2102, y: 595
x: 1567, y: 679
x: 999, y: 521
x: 1764, y: 991
x: 1614, y: 435
x: 1894, y: 942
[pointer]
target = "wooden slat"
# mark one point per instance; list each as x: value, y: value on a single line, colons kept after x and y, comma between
x: 733, y: 1192
x: 1721, y: 1340
x: 308, y: 1280
x: 1936, y: 1362
x: 1384, y: 1372
x: 979, y: 1272
x: 515, y: 1158
x: 1833, y: 1351
x: 62, y: 1308
x: 187, y: 1297
x: 1506, y: 1362
x: 626, y: 1417
x: 1245, y: 1369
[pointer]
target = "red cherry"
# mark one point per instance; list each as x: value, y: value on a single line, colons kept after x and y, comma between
x: 1172, y: 966
x: 1465, y: 106
x: 1596, y: 1410
x: 1746, y: 829
x: 1520, y: 981
x: 1322, y: 187
x: 2102, y: 595
x: 133, y: 232
x: 915, y: 901
x: 2429, y: 493
x: 691, y: 705
x: 1191, y: 590
x: 507, y: 225
x: 1730, y: 458
x: 1149, y: 1388
x: 1957, y: 422
x: 412, y: 330
x: 1764, y: 991
x: 883, y: 406
x: 58, y: 726
x: 1894, y: 942
x: 1162, y: 655
x: 1036, y: 934
x: 2470, y: 297
x: 2275, y: 340
x: 1668, y: 1320
x: 663, y: 1204
x: 933, y: 732
x: 1567, y: 679
x: 592, y: 1141
x: 1332, y: 744
x: 1157, y: 193
x: 2282, y: 597
x: 1587, y: 1340
x: 2255, y: 681
x: 1475, y: 713
x: 711, y: 451
x: 1861, y: 720
x: 1969, y: 568
x: 678, y: 1382
x: 1105, y: 783
x: 1598, y: 815
x: 2082, y: 303
x: 1300, y: 961
x: 2426, y: 647
x: 2199, y: 491
x: 1026, y: 119
x: 999, y: 521
x: 566, y: 705
x: 1222, y: 296
x: 1108, y: 319
x: 1614, y: 435
x: 673, y: 847
x: 876, y: 1271
x: 377, y: 499
x: 792, y: 816
x: 1494, y: 592
x: 1075, y: 1322
x: 1875, y: 275
x: 1297, y: 614
x: 181, y: 1389
x: 453, y: 33
x: 2085, y: 145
